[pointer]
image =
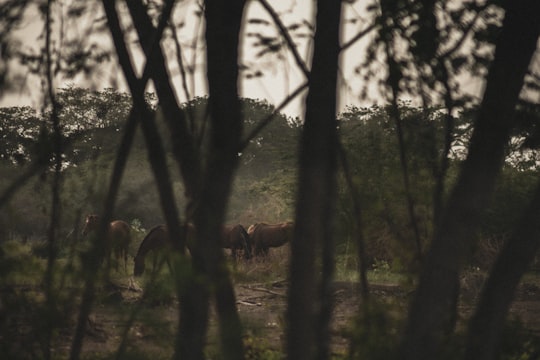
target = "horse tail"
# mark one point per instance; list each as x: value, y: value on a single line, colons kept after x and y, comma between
x: 247, y: 242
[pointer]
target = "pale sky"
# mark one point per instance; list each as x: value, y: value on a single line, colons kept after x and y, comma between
x: 280, y: 73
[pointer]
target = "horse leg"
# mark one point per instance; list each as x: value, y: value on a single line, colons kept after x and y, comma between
x: 261, y: 250
x: 171, y: 268
x: 247, y: 250
x: 154, y: 262
x: 118, y: 256
x: 124, y: 253
x: 108, y: 259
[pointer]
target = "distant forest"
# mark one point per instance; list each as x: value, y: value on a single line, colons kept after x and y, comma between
x: 265, y: 186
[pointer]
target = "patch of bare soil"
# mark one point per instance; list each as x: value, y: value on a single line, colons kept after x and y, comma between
x: 262, y: 310
x: 525, y: 308
x: 123, y: 320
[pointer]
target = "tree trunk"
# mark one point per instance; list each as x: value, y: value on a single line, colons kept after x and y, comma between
x: 184, y: 148
x: 98, y: 250
x: 486, y: 325
x: 223, y: 23
x: 308, y: 314
x: 432, y: 309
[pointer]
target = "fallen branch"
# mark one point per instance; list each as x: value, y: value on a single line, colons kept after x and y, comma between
x: 264, y: 290
x: 248, y: 303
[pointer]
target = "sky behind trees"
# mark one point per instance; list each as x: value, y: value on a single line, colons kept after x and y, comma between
x: 271, y: 76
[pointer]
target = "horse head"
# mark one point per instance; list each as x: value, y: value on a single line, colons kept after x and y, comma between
x: 90, y: 223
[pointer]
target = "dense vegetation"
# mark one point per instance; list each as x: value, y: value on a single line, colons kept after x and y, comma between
x: 264, y: 188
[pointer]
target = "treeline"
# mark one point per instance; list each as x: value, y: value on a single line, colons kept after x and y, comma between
x: 265, y: 184
x: 92, y: 123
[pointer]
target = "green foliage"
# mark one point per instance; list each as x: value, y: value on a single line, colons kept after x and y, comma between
x: 382, y: 273
x: 82, y: 109
x: 19, y: 129
x: 265, y: 186
x: 518, y: 343
x: 273, y: 147
x: 374, y: 334
x: 91, y: 121
x: 369, y: 136
x: 264, y: 190
x: 159, y: 291
x: 27, y: 318
x: 257, y: 349
x: 513, y: 191
x: 346, y: 265
x: 18, y: 266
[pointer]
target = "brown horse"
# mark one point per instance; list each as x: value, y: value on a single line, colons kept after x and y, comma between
x: 118, y: 237
x: 264, y: 236
x: 156, y: 239
x: 235, y: 237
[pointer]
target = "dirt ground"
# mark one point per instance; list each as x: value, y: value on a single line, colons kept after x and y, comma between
x: 262, y: 310
x: 123, y: 319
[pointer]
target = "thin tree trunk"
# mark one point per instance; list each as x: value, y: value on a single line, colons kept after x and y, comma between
x: 309, y: 310
x: 223, y: 23
x: 436, y: 296
x: 139, y: 109
x: 182, y: 139
x: 194, y: 297
x: 486, y: 325
x: 49, y: 324
x: 97, y: 252
x: 156, y: 153
x: 358, y: 229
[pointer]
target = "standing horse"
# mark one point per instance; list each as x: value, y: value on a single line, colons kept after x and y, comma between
x: 118, y: 237
x: 156, y: 239
x: 264, y: 236
x: 235, y: 237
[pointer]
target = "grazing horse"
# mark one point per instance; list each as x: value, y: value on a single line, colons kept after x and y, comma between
x: 235, y: 237
x: 118, y: 237
x: 264, y: 236
x: 156, y: 239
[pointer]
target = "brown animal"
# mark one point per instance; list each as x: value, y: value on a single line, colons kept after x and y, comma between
x: 264, y: 236
x: 156, y: 239
x: 118, y: 237
x: 236, y: 238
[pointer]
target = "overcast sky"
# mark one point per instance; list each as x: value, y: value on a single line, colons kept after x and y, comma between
x: 280, y: 74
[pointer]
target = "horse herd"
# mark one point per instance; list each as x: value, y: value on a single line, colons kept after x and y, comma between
x: 257, y: 239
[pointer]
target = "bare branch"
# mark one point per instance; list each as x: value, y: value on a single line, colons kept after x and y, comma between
x: 290, y: 43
